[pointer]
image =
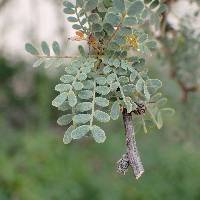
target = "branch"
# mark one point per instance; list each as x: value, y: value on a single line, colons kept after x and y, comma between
x: 185, y: 90
x: 173, y: 74
x: 132, y: 156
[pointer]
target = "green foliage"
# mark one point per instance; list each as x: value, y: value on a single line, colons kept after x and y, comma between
x: 99, y: 85
x: 33, y: 163
x: 184, y: 58
x: 136, y: 8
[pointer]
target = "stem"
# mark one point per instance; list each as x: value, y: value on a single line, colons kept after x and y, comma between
x: 93, y: 104
x: 88, y: 23
x: 117, y: 29
x: 120, y: 87
x: 133, y: 154
x: 79, y: 20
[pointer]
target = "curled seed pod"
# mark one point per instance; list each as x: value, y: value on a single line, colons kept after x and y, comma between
x: 123, y: 164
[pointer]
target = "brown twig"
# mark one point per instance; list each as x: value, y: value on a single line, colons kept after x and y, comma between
x: 132, y: 151
x: 169, y: 52
x: 185, y: 90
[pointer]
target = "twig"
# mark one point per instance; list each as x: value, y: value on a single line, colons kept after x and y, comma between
x: 185, y: 90
x: 132, y: 151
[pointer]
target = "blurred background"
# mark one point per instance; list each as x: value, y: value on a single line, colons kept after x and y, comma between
x: 34, y: 162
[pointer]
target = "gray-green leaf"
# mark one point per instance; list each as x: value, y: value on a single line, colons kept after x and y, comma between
x: 59, y: 100
x: 136, y: 8
x: 45, y: 48
x: 72, y: 19
x: 31, y: 49
x: 72, y: 98
x: 69, y: 11
x: 112, y: 19
x: 101, y: 116
x: 100, y: 80
x: 63, y: 87
x: 98, y: 134
x: 94, y: 18
x: 39, y: 62
x: 119, y: 5
x: 56, y: 48
x: 130, y: 21
x: 115, y: 111
x: 100, y: 101
x: 67, y: 136
x: 77, y: 85
x: 81, y: 118
x: 91, y: 5
x: 65, y: 106
x: 80, y: 131
x: 140, y: 85
x: 67, y: 78
x: 76, y: 26
x: 85, y: 94
x: 133, y: 75
x: 103, y: 90
x: 65, y: 119
x: 84, y: 106
x: 146, y: 93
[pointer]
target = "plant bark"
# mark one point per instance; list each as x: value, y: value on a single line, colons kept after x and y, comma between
x: 132, y: 151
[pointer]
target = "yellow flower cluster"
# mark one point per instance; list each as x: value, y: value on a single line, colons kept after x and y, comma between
x: 132, y: 40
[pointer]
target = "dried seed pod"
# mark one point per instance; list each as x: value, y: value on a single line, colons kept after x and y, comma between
x: 123, y: 164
